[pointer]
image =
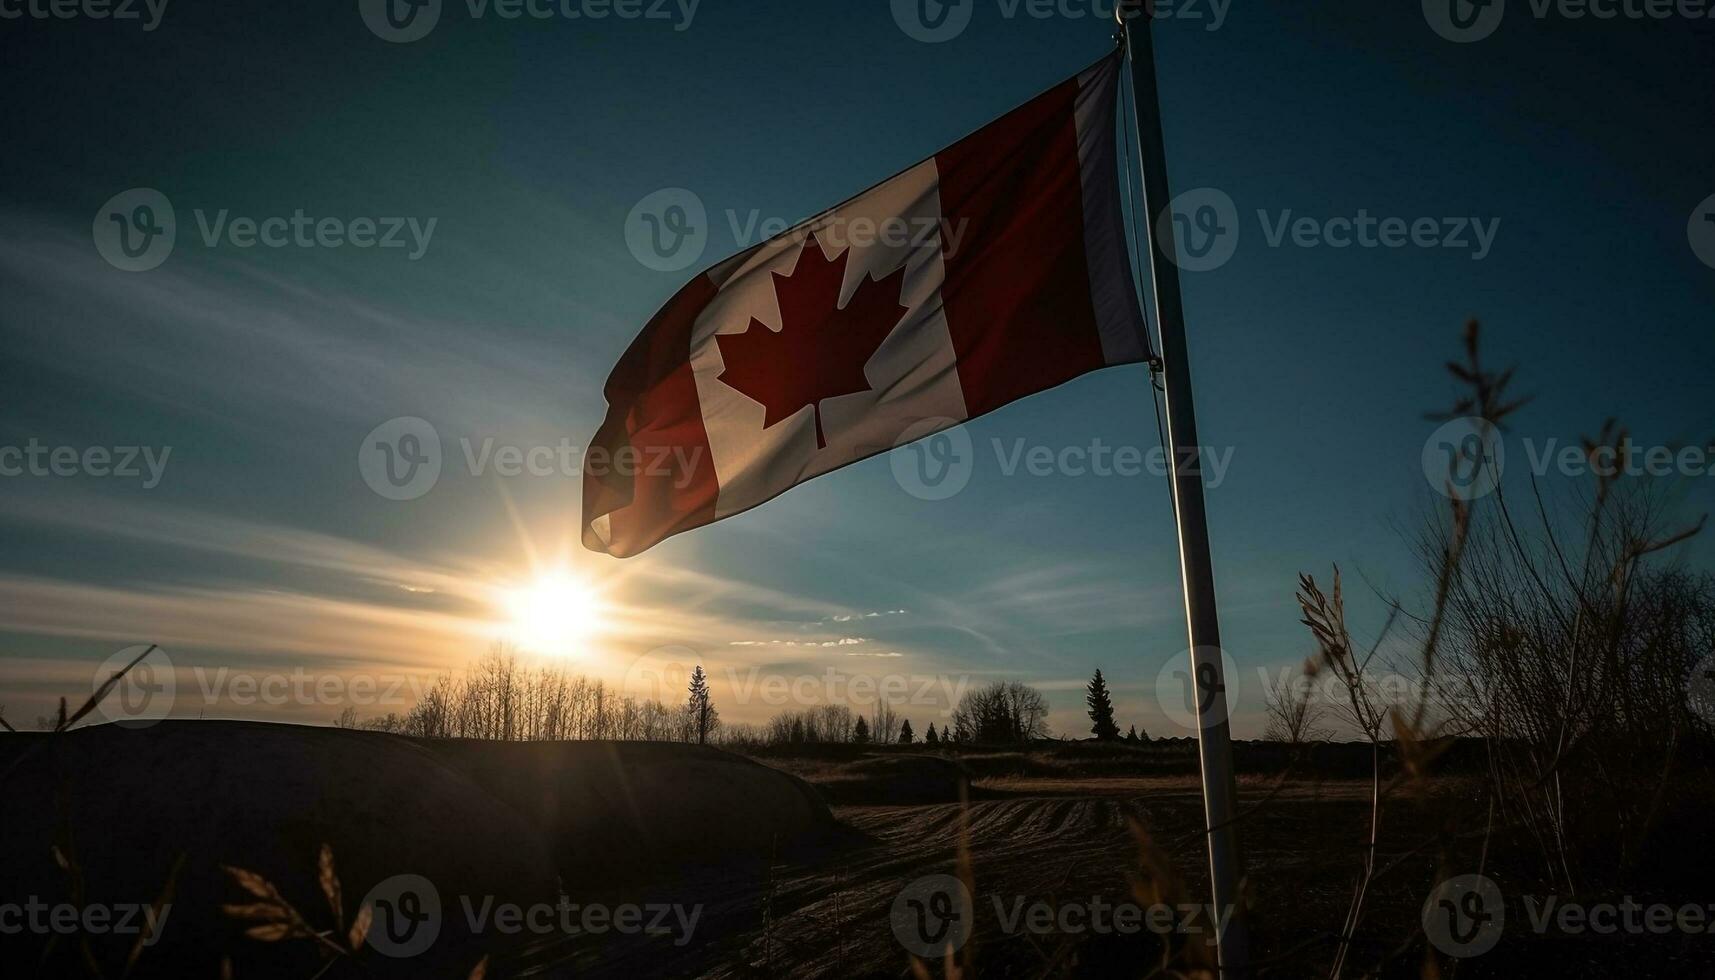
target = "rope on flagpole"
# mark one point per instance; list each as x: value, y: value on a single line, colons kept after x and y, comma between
x: 1152, y: 341
x: 1151, y: 328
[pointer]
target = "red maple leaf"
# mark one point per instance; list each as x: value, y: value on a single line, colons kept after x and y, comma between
x: 821, y: 348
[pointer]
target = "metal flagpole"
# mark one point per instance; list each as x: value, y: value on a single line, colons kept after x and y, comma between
x: 1226, y: 866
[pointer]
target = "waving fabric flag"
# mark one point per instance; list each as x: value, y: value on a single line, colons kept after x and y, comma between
x: 993, y: 270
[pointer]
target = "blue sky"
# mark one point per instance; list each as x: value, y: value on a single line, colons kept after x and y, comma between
x: 1584, y: 144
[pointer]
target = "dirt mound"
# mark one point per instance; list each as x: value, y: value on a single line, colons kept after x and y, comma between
x: 263, y: 798
x: 614, y: 810
x: 484, y: 823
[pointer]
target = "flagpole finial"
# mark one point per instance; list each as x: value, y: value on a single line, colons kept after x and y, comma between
x: 1125, y: 11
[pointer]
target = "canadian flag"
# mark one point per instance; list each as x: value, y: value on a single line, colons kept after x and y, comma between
x: 993, y: 270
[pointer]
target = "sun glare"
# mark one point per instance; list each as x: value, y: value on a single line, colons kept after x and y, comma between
x: 555, y: 614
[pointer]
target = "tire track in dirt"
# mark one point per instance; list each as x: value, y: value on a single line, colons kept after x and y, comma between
x: 830, y: 915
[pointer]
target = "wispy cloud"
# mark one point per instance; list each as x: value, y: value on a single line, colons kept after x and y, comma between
x: 852, y: 617
x: 236, y: 346
x: 292, y: 598
x: 320, y: 631
x: 844, y: 641
x: 1071, y: 598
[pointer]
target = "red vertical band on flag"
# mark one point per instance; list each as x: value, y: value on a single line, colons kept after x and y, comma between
x: 1017, y: 292
x: 648, y: 473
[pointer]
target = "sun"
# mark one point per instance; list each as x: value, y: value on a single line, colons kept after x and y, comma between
x: 555, y: 614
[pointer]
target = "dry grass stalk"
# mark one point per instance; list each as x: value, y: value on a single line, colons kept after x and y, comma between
x: 277, y: 919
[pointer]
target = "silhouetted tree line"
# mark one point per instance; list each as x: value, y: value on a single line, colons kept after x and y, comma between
x: 1004, y: 712
x: 500, y: 699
